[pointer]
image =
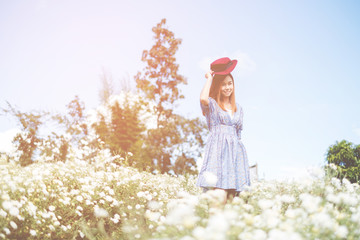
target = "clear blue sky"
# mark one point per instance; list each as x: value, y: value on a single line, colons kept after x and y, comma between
x: 297, y: 78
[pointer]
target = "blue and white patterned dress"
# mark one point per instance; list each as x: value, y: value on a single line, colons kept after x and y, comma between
x: 225, y: 155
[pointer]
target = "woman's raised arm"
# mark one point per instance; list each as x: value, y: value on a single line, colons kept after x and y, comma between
x: 204, y: 95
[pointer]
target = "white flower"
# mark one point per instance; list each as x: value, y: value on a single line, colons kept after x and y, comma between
x: 108, y: 198
x: 333, y: 166
x: 51, y: 208
x: 6, y: 205
x: 199, y: 233
x: 265, y: 203
x: 152, y: 216
x: 140, y: 194
x: 100, y: 212
x: 79, y: 198
x: 341, y: 232
x: 309, y: 202
x: 13, y: 225
x: 179, y: 214
x: 259, y: 234
x: 270, y: 218
x: 7, y: 231
x: 3, y: 213
x: 287, y: 198
x: 276, y: 234
x: 217, y: 226
x: 210, y: 178
x: 154, y: 205
x: 32, y: 232
x: 218, y: 195
x: 14, y: 211
x: 336, y: 182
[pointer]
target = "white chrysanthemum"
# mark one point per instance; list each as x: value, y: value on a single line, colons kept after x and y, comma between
x: 6, y: 230
x: 287, y: 198
x: 341, y: 232
x: 217, y: 195
x: 14, y: 211
x: 180, y: 214
x: 276, y: 234
x: 152, y: 216
x: 336, y: 182
x: 323, y: 220
x: 100, y: 212
x: 13, y: 225
x: 217, y: 227
x: 3, y: 213
x: 140, y: 194
x: 259, y: 234
x: 210, y: 178
x: 333, y: 166
x: 270, y: 218
x: 310, y: 203
x: 7, y: 205
x: 154, y: 205
x: 265, y: 203
x: 32, y: 232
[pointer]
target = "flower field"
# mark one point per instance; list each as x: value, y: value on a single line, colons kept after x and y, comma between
x: 102, y: 200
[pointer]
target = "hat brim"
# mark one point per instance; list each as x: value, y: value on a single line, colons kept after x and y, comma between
x: 229, y: 70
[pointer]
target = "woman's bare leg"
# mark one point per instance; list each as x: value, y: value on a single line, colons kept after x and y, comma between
x: 230, y: 194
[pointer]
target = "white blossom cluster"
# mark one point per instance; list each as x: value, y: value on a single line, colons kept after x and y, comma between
x: 75, y: 198
x: 315, y: 207
x: 61, y: 200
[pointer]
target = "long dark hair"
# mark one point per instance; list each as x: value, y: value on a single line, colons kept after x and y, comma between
x: 215, y: 91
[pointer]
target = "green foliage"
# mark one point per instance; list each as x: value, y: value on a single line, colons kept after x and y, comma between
x: 56, y: 145
x: 74, y: 121
x: 26, y: 141
x: 160, y: 79
x: 123, y: 132
x: 346, y: 156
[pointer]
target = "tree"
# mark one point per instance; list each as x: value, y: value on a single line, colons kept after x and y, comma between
x: 159, y: 81
x: 107, y: 87
x: 346, y: 156
x: 27, y: 140
x: 125, y: 127
x: 119, y: 125
x: 74, y: 121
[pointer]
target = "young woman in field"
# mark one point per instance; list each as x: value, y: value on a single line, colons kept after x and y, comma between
x: 225, y: 164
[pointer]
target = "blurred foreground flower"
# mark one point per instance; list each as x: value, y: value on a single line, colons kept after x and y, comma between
x: 100, y: 212
x: 210, y: 178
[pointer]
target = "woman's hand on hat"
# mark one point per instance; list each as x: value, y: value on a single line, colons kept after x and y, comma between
x: 209, y: 74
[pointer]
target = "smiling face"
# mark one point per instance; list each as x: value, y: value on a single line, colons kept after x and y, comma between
x: 226, y: 87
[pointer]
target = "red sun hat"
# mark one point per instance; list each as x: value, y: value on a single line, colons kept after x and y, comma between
x: 223, y: 66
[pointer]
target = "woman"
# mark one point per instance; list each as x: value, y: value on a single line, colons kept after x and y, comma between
x: 225, y: 164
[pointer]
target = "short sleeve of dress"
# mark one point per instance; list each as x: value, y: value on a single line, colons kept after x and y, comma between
x: 207, y: 110
x: 239, y: 124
